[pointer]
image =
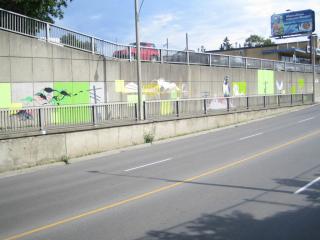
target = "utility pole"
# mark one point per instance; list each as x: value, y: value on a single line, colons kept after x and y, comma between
x: 187, y: 42
x: 313, y: 52
x: 187, y: 49
x: 137, y: 20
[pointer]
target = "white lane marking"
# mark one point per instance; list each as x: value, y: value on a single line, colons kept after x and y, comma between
x: 307, y: 119
x: 165, y: 160
x: 306, y: 186
x: 251, y: 136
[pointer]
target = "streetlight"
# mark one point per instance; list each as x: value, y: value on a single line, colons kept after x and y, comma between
x: 137, y: 16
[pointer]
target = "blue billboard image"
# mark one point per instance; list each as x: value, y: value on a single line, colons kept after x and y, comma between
x: 292, y: 23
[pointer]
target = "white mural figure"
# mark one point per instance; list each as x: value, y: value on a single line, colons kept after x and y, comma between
x: 236, y: 90
x: 131, y: 87
x: 226, y: 87
x: 217, y: 104
x: 166, y: 85
x: 168, y: 88
x: 279, y: 86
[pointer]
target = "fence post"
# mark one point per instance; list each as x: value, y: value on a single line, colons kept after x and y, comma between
x: 94, y: 117
x: 247, y: 102
x: 291, y: 99
x: 130, y: 54
x: 47, y: 32
x: 246, y: 62
x: 205, y: 106
x: 228, y: 104
x: 177, y: 108
x: 285, y: 66
x: 144, y: 111
x: 229, y: 61
x: 92, y: 45
x: 161, y: 56
x: 264, y: 101
x: 302, y: 98
x: 274, y: 65
x: 41, y: 120
x: 188, y: 58
x: 210, y: 59
x: 279, y: 100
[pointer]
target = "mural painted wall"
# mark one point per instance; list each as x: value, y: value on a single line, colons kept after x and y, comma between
x: 17, y: 95
x: 57, y: 93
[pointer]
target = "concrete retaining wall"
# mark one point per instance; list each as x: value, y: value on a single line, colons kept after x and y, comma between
x: 31, y: 151
x: 28, y: 66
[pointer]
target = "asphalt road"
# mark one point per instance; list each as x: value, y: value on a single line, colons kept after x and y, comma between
x: 254, y: 181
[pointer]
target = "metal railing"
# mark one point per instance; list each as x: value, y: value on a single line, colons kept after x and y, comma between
x: 113, y: 114
x: 20, y: 24
x: 54, y: 117
x: 170, y: 109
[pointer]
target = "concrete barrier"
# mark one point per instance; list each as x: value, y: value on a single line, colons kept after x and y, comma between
x: 31, y: 151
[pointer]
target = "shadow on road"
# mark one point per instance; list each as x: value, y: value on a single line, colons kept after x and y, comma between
x: 294, y: 225
x: 299, y: 224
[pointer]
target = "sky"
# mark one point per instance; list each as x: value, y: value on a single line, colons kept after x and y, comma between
x: 207, y: 22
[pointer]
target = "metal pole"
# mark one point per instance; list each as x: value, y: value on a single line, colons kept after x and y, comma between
x: 313, y: 49
x: 47, y: 32
x: 187, y: 48
x: 140, y: 110
x: 187, y: 42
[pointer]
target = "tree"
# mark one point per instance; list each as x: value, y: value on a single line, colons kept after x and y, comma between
x: 45, y: 10
x: 226, y: 45
x: 257, y: 41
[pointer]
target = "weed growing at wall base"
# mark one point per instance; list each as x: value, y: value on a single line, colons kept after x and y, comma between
x: 148, y: 137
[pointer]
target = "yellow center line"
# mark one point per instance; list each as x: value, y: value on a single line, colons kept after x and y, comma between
x: 161, y: 189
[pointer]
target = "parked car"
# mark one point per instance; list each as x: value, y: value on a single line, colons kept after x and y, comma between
x: 148, y: 52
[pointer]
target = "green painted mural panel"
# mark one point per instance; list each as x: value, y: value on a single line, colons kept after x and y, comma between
x: 301, y: 84
x: 63, y: 92
x: 67, y: 93
x: 81, y: 93
x: 265, y: 82
x: 5, y: 95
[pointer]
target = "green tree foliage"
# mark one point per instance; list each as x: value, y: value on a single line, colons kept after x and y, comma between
x: 226, y: 45
x: 257, y: 41
x: 45, y: 10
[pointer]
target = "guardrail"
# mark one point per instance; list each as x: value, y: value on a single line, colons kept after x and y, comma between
x: 68, y: 116
x: 169, y: 109
x: 31, y: 27
x: 84, y: 116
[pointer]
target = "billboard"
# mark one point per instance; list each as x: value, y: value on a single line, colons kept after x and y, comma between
x: 292, y: 23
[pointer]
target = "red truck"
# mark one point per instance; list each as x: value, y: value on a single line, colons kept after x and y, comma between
x: 148, y: 52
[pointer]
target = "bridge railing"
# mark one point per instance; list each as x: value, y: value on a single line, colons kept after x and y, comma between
x: 21, y: 24
x: 168, y: 109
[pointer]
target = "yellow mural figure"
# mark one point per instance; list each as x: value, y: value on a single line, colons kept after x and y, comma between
x: 119, y: 86
x: 151, y: 89
x: 166, y: 108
